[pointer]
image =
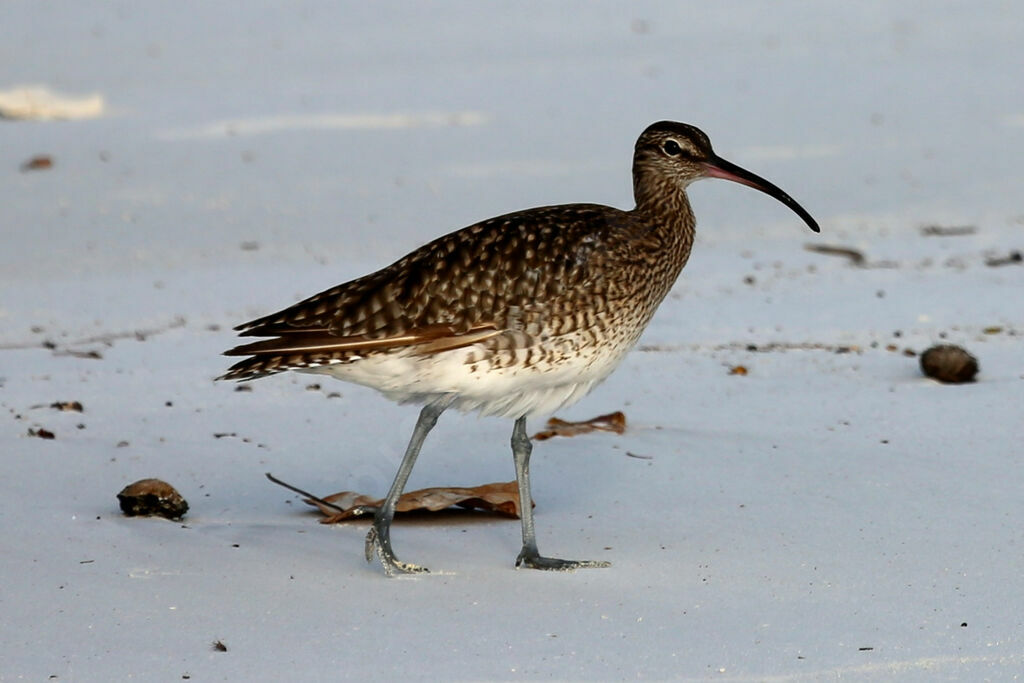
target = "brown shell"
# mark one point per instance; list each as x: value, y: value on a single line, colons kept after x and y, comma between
x: 949, y: 363
x: 148, y: 497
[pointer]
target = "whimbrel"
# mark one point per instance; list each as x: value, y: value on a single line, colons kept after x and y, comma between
x: 514, y: 316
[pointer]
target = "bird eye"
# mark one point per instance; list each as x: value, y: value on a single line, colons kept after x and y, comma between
x: 672, y: 148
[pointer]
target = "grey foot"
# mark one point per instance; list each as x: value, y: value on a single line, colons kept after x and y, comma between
x: 536, y: 561
x: 381, y: 547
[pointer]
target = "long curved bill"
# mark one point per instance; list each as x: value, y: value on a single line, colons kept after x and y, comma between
x: 726, y: 170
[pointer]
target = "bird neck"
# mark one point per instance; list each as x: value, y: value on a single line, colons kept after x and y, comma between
x: 664, y: 207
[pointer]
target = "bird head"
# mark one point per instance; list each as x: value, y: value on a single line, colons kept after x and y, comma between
x: 678, y: 153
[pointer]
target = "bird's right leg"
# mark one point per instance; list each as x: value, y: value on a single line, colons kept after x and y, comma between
x: 378, y: 540
x: 529, y: 556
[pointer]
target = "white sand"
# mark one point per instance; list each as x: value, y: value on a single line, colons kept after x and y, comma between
x: 826, y: 516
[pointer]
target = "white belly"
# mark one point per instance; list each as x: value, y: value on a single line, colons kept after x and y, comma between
x: 511, y: 383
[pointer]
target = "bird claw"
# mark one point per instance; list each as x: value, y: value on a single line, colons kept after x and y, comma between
x: 380, y: 545
x: 533, y: 560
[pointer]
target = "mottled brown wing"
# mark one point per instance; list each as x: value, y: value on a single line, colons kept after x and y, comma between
x: 462, y: 288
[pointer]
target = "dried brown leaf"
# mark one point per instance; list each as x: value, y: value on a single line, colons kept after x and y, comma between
x: 948, y: 230
x: 856, y: 257
x: 93, y: 355
x: 40, y: 162
x: 612, y: 422
x: 500, y: 497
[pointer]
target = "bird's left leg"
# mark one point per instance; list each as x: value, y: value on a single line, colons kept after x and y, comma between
x: 378, y: 540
